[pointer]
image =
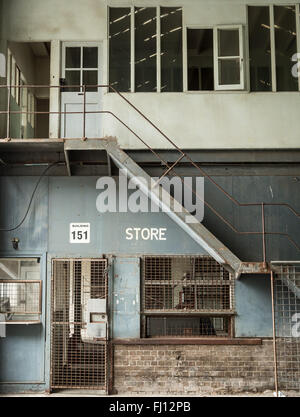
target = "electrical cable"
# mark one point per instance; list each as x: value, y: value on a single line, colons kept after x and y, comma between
x: 31, y: 199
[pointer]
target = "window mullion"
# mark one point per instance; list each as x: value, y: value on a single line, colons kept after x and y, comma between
x: 132, y: 50
x: 273, y: 55
x: 158, y: 50
x: 216, y: 62
x: 241, y: 57
x: 185, y: 58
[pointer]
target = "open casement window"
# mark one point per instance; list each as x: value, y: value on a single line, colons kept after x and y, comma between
x: 186, y: 296
x: 20, y: 290
x: 228, y: 58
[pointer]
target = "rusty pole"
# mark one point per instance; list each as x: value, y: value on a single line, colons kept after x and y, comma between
x: 274, y: 336
x: 263, y: 232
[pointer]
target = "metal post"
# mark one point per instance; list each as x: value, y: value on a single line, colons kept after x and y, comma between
x: 274, y: 336
x: 263, y: 232
x: 84, y: 113
x: 8, y: 114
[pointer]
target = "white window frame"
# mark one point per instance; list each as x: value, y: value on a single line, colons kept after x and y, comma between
x: 241, y: 85
x: 81, y: 45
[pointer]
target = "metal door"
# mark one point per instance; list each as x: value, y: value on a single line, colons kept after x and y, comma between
x: 81, y: 73
x: 79, y: 342
x: 287, y: 325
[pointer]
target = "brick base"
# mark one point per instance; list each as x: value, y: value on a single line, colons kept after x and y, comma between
x: 193, y: 369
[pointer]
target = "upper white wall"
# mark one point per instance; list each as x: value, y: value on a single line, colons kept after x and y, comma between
x: 45, y: 20
x: 191, y: 120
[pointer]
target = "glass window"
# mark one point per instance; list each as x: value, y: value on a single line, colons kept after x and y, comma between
x: 20, y: 290
x: 90, y: 78
x: 228, y: 42
x: 171, y: 49
x: 90, y: 57
x: 145, y: 49
x: 200, y: 59
x: 285, y: 47
x: 73, y: 57
x: 260, y: 48
x: 119, y: 48
x: 229, y: 71
x: 73, y: 79
x: 229, y: 59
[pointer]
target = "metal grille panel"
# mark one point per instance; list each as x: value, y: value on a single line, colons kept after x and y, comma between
x: 186, y: 284
x: 287, y: 326
x: 77, y: 362
x: 20, y: 297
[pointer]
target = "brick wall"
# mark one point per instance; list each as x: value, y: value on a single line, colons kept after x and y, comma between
x: 193, y: 369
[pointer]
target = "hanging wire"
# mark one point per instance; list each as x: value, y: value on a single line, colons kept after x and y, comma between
x: 31, y: 199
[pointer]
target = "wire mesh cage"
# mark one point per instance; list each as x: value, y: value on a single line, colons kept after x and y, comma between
x: 182, y: 285
x: 20, y: 294
x: 77, y: 360
x: 287, y: 326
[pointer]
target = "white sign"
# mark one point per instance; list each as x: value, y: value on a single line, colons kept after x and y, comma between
x: 80, y: 232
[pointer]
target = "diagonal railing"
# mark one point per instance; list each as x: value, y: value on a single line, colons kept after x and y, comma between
x: 169, y: 168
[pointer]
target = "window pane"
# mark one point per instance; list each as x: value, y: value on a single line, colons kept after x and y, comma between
x: 73, y: 57
x: 72, y: 78
x: 19, y: 300
x: 171, y: 49
x: 228, y: 42
x: 90, y: 78
x: 119, y: 48
x: 187, y: 326
x: 90, y: 57
x: 259, y: 48
x: 200, y: 59
x: 286, y: 47
x: 229, y: 71
x: 145, y: 49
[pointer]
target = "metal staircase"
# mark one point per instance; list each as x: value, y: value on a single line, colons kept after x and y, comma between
x: 164, y: 200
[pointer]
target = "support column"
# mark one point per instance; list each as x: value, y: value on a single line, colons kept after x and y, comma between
x: 54, y: 105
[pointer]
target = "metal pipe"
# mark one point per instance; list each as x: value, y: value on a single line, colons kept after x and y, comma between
x: 84, y: 113
x: 263, y: 233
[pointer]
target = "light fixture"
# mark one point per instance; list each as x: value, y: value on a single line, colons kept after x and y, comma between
x: 15, y: 242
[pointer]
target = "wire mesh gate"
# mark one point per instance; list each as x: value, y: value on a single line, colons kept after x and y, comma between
x: 78, y: 359
x: 287, y: 325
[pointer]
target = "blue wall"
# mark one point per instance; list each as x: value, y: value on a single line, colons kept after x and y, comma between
x: 60, y: 201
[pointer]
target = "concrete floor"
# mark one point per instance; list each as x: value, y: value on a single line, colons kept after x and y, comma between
x: 79, y: 393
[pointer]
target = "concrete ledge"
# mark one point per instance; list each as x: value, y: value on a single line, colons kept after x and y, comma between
x: 189, y: 341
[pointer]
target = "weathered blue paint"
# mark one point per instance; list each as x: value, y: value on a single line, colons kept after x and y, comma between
x: 253, y: 307
x: 24, y: 356
x: 15, y: 193
x: 126, y: 298
x: 74, y: 200
x: 22, y: 352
